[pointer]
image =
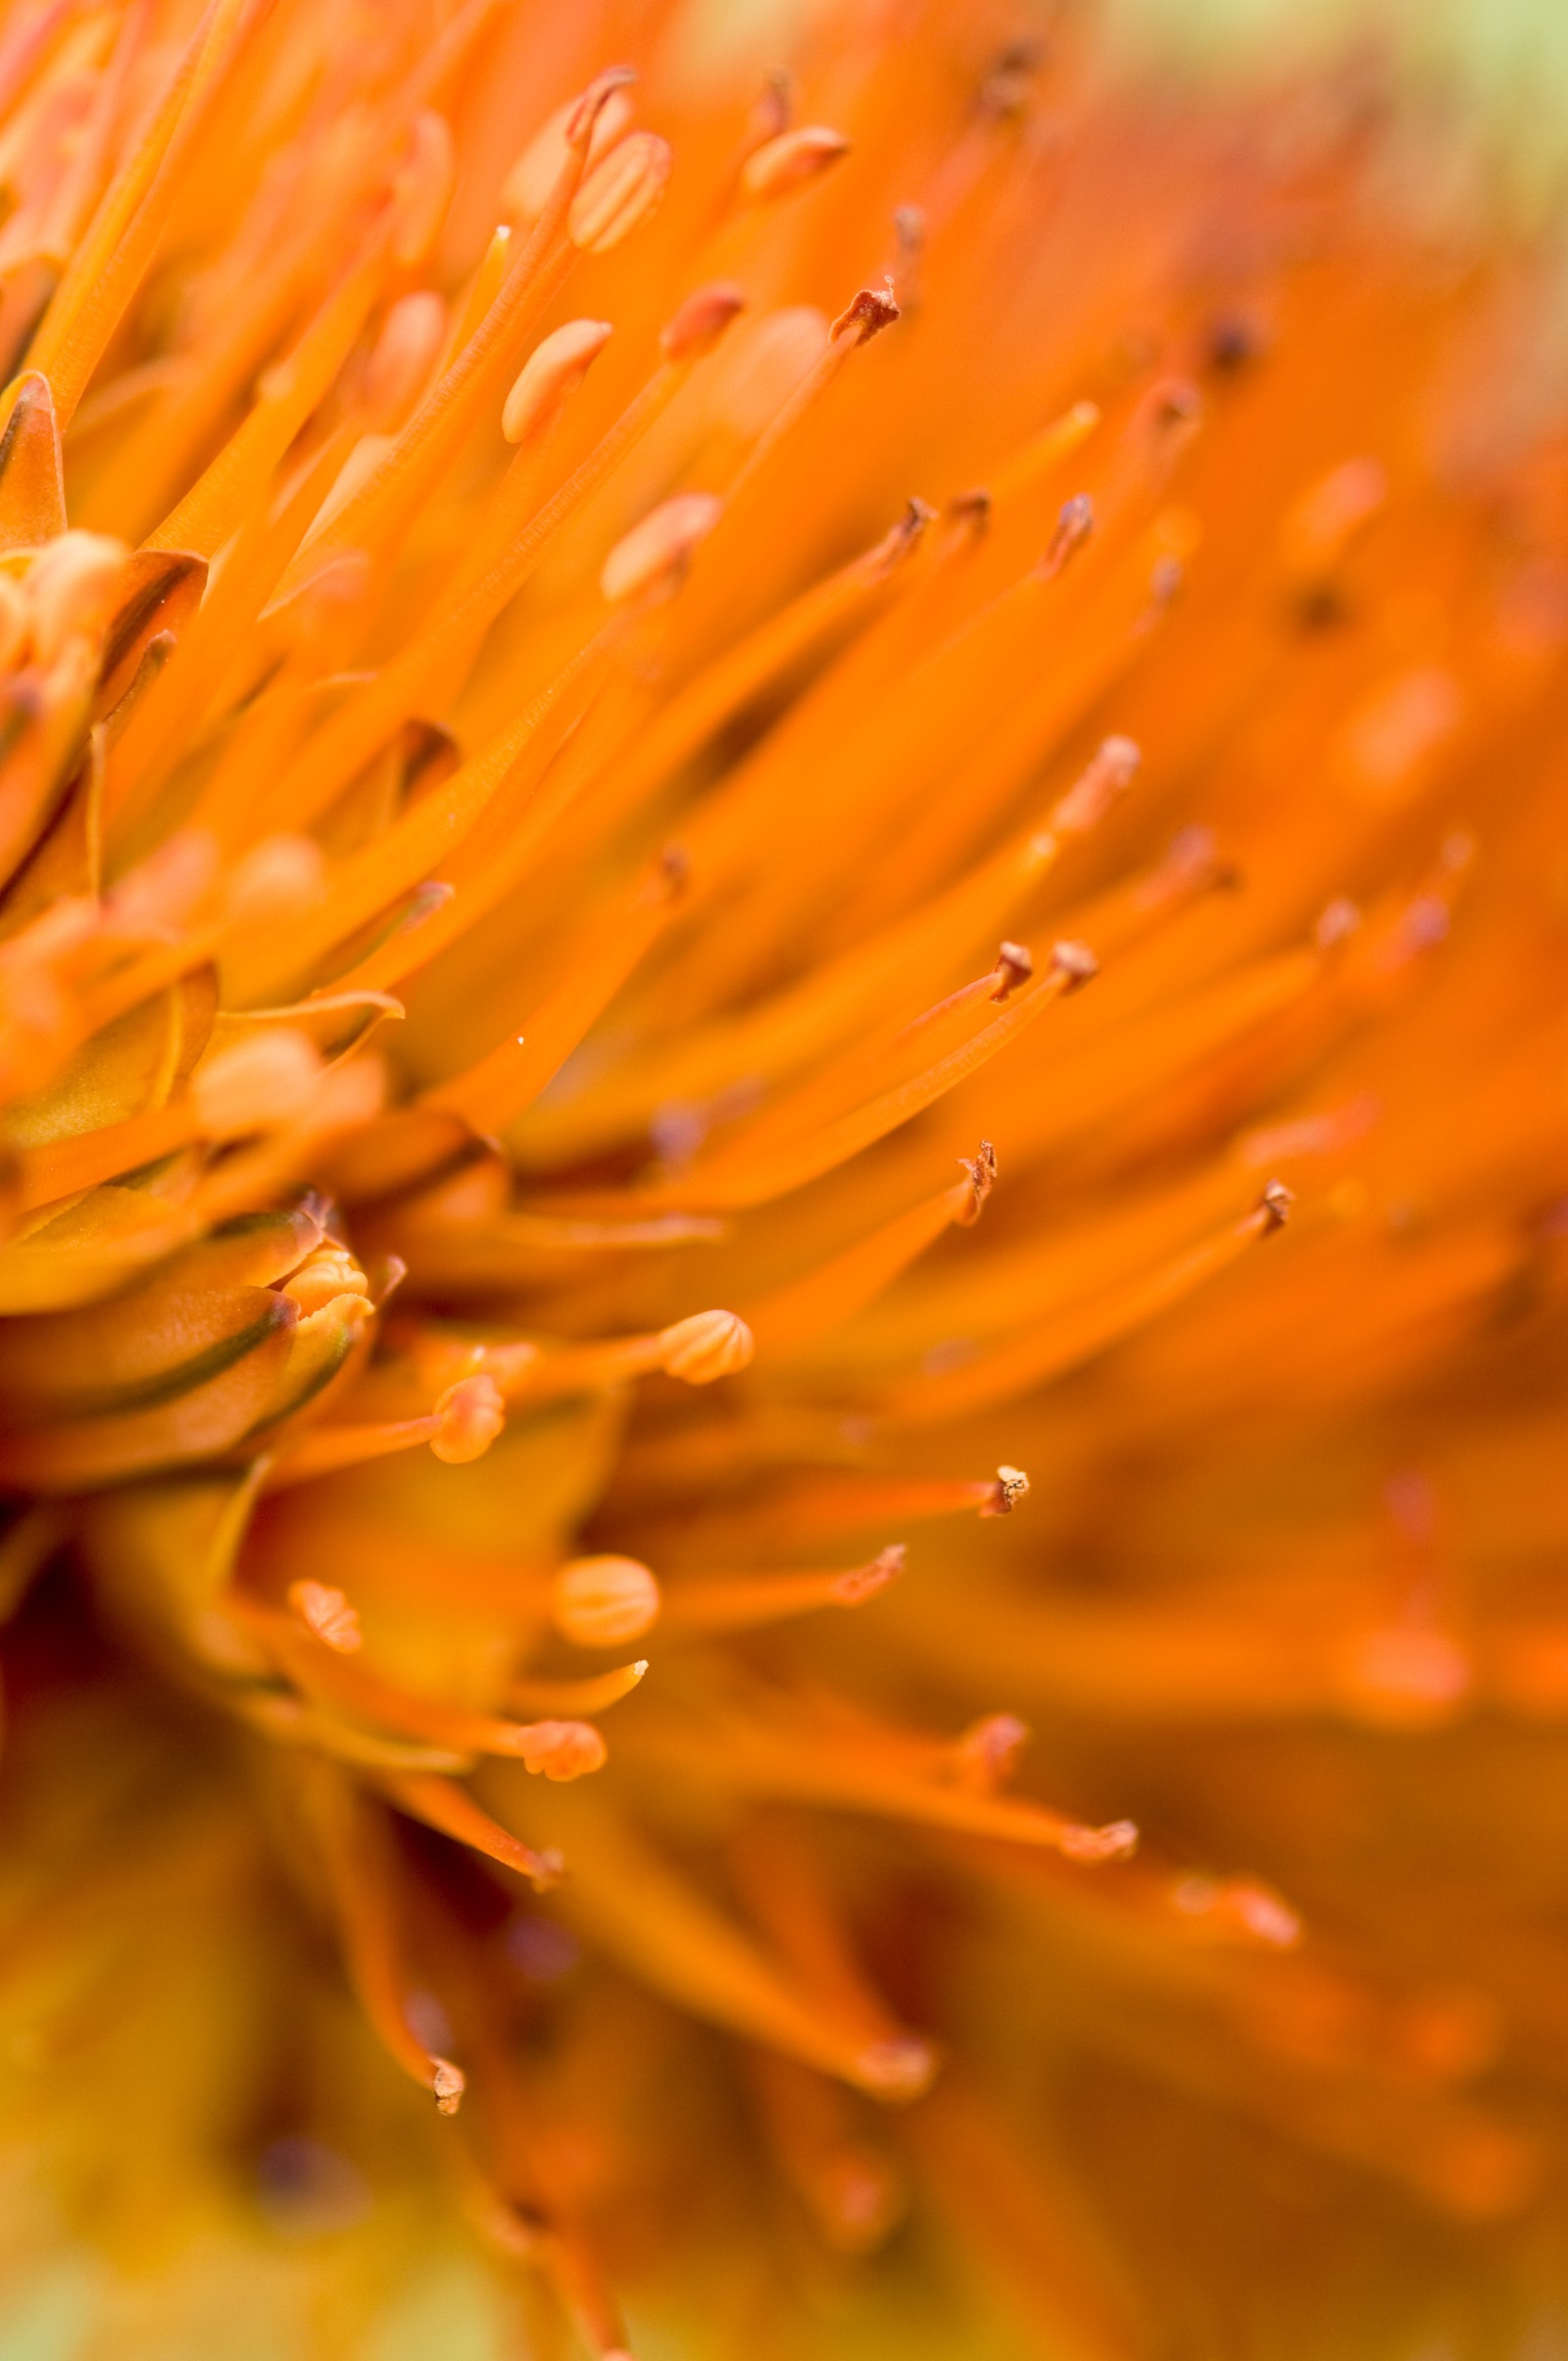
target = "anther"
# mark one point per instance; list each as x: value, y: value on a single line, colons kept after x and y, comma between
x: 709, y: 1346
x: 1117, y: 1840
x: 1010, y: 1486
x: 561, y: 1750
x: 422, y: 189
x: 660, y: 546
x: 473, y: 1413
x: 1076, y: 964
x: 327, y: 1612
x: 71, y: 587
x: 982, y: 1172
x: 554, y: 370
x: 896, y: 2070
x: 792, y: 161
x: 971, y: 510
x: 863, y: 1581
x: 403, y: 355
x: 585, y: 116
x: 1338, y: 920
x: 674, y: 872
x: 867, y: 313
x: 908, y: 233
x: 701, y: 320
x: 1108, y: 773
x: 1076, y: 522
x: 1167, y: 580
x: 1014, y: 966
x: 526, y: 191
x: 772, y: 109
x: 1275, y: 1205
x: 603, y: 1602
x: 449, y: 2082
x: 256, y: 1083
x: 1233, y: 341
x: 619, y: 193
x: 331, y: 1272
x: 984, y: 1757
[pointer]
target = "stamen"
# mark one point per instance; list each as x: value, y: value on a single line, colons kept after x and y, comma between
x: 740, y: 1602
x: 327, y: 1613
x: 553, y: 372
x: 1010, y: 1486
x: 620, y: 192
x: 1074, y: 526
x: 603, y: 1602
x: 791, y: 161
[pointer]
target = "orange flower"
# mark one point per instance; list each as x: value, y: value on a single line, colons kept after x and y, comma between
x: 712, y: 806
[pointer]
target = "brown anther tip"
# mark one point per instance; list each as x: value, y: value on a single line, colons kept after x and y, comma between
x: 1117, y: 1840
x: 1014, y: 966
x: 585, y: 114
x: 1076, y: 522
x: 982, y: 1172
x: 1010, y: 1486
x: 1076, y: 964
x: 1175, y: 403
x: 1275, y: 1205
x: 1233, y: 341
x: 867, y: 313
x: 449, y: 2082
x: 674, y: 870
x: 971, y: 510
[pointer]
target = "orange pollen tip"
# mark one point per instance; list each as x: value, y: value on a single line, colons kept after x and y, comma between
x: 552, y: 370
x: 1076, y: 964
x: 863, y: 1581
x: 1010, y: 1486
x: 327, y: 1612
x: 449, y: 2082
x: 473, y: 1413
x: 1117, y: 1840
x: 661, y: 546
x: 867, y: 313
x: 1275, y: 1205
x: 790, y: 161
x: 701, y: 320
x: 709, y: 1346
x: 620, y: 192
x: 1014, y: 966
x: 603, y: 1602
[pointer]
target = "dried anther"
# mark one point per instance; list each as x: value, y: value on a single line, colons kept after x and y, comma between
x: 1275, y: 1205
x: 1074, y: 524
x: 1014, y: 966
x: 867, y: 313
x: 982, y: 1172
x: 1010, y: 1486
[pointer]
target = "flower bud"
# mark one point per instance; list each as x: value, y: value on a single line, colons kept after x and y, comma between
x: 256, y: 1083
x: 331, y: 1272
x: 562, y: 1749
x: 473, y: 1413
x: 620, y: 193
x: 660, y: 545
x: 603, y: 1602
x: 709, y: 1346
x: 422, y: 189
x: 72, y: 589
x: 700, y: 322
x: 790, y: 161
x: 554, y: 370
